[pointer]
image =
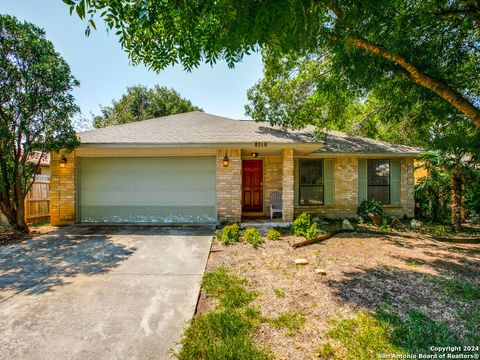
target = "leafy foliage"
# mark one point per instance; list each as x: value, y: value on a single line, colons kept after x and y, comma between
x: 369, y: 46
x: 273, y: 234
x: 141, y: 103
x: 432, y: 195
x: 303, y: 226
x: 370, y: 207
x: 455, y: 164
x: 230, y: 234
x: 253, y: 236
x: 36, y: 107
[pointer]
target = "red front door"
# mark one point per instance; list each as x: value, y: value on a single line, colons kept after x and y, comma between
x: 252, y: 185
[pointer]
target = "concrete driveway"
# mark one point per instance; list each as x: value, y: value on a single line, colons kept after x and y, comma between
x: 100, y: 292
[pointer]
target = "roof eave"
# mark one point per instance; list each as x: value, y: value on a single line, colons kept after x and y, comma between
x: 369, y: 154
x: 311, y: 145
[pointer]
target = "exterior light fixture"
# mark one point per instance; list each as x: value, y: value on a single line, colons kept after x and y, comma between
x: 226, y: 162
x: 63, y: 162
x: 254, y: 155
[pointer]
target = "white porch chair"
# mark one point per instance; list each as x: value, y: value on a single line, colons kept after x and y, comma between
x: 275, y: 203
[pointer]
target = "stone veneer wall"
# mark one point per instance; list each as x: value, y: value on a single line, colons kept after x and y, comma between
x: 62, y: 190
x: 229, y: 186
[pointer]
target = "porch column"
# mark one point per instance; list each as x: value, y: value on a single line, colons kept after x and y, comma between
x: 229, y: 186
x: 62, y: 189
x: 287, y: 185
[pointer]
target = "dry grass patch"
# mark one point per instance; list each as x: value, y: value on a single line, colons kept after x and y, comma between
x: 363, y: 274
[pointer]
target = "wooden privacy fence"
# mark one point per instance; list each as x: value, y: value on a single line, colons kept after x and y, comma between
x: 37, y: 202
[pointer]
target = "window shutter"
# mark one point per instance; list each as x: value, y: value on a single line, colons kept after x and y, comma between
x: 395, y: 182
x: 328, y: 182
x: 296, y: 181
x: 362, y: 180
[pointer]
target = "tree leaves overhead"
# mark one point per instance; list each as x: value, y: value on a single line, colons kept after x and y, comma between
x: 432, y: 43
x: 141, y: 103
x: 328, y: 92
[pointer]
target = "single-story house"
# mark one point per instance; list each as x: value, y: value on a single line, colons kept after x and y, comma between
x: 200, y: 168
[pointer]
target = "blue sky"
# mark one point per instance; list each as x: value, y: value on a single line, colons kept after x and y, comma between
x: 104, y: 72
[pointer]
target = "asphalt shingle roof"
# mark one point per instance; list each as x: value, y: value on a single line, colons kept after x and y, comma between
x: 201, y: 128
x: 338, y: 142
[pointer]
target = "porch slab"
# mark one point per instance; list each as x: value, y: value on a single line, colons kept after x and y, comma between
x: 263, y: 225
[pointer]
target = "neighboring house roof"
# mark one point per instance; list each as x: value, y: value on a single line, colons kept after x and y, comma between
x: 201, y: 128
x: 35, y: 156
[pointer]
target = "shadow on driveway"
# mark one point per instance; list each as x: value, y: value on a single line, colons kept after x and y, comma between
x: 66, y: 253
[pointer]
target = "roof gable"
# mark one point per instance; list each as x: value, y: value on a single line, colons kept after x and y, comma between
x: 201, y: 128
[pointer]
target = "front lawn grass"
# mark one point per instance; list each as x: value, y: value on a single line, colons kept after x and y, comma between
x: 226, y: 332
x: 367, y: 335
x: 292, y: 321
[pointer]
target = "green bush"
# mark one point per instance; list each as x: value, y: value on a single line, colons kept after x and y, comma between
x: 370, y: 207
x: 303, y: 226
x: 253, y: 236
x: 230, y: 234
x: 273, y: 234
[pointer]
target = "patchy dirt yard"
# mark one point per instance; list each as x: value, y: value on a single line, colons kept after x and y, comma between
x: 362, y: 273
x: 9, y: 236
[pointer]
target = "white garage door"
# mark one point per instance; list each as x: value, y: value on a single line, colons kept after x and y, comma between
x: 147, y: 190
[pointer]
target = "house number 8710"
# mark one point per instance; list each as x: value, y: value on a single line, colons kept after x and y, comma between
x: 261, y: 144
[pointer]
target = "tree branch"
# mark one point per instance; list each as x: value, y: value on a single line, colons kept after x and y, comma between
x: 448, y: 94
x: 444, y: 91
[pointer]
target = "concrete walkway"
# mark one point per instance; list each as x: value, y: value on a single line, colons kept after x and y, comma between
x: 100, y: 292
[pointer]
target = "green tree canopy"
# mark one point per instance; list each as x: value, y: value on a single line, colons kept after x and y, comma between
x: 297, y: 90
x: 141, y: 103
x: 36, y: 107
x: 432, y: 43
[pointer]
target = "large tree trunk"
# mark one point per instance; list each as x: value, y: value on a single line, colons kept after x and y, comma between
x: 448, y: 94
x: 10, y: 214
x: 16, y: 217
x: 435, y: 208
x: 457, y: 185
x: 21, y: 224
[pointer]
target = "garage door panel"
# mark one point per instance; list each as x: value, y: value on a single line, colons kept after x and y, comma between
x: 157, y: 190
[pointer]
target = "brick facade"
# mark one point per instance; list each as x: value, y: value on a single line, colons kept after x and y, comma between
x: 62, y: 190
x: 287, y: 185
x: 278, y: 176
x: 272, y: 180
x: 229, y: 186
x: 407, y: 189
x: 346, y: 192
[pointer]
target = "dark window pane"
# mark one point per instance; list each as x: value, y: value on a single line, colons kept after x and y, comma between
x: 311, y: 172
x: 379, y: 193
x: 311, y: 195
x: 378, y: 177
x: 378, y: 172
